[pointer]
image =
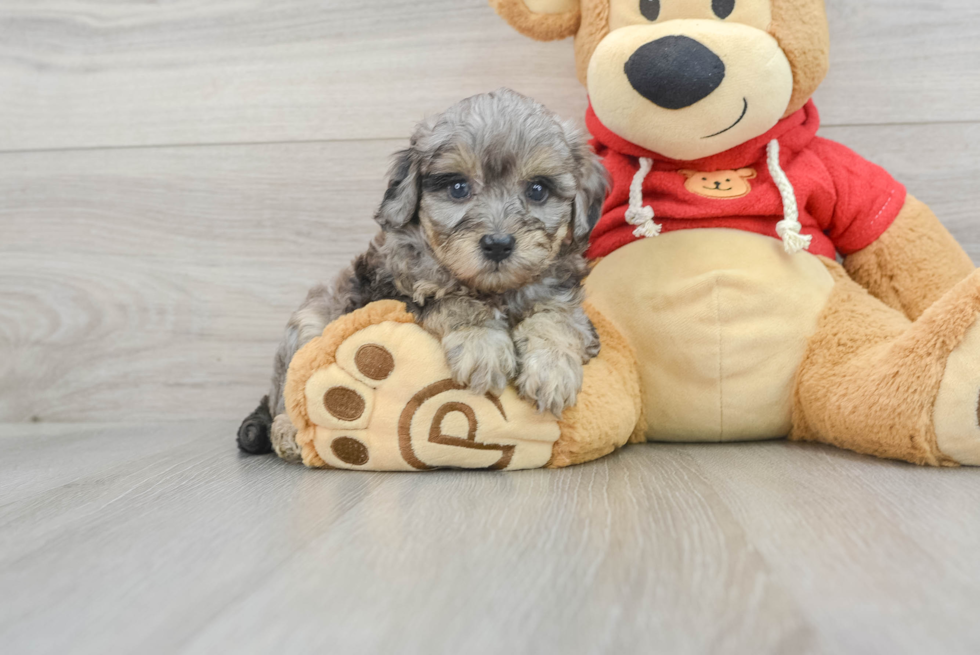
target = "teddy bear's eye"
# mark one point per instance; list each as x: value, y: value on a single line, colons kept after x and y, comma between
x: 651, y: 9
x: 722, y: 8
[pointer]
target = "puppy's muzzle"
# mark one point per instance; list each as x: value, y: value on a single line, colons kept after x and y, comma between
x: 675, y: 72
x: 497, y: 247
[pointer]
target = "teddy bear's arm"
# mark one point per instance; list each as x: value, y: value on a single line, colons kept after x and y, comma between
x: 913, y: 263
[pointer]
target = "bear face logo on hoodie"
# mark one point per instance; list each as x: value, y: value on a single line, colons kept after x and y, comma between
x: 720, y: 185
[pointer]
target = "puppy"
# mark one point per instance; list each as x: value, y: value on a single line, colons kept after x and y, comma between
x: 483, y: 228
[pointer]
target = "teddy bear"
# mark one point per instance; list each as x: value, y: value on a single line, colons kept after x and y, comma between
x: 751, y: 280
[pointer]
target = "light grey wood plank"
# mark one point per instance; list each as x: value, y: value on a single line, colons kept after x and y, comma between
x: 761, y: 548
x: 881, y: 554
x: 150, y: 284
x: 85, y: 73
x: 898, y: 61
x: 127, y: 278
x: 200, y: 550
x: 44, y: 456
x: 82, y: 73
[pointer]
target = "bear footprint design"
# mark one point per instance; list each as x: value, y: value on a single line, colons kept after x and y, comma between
x: 388, y: 403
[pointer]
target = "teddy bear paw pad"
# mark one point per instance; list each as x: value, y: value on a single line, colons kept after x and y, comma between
x: 388, y: 403
x: 956, y: 414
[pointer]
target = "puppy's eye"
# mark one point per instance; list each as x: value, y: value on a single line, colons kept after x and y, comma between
x: 536, y: 192
x: 650, y: 9
x: 459, y: 190
x: 723, y: 8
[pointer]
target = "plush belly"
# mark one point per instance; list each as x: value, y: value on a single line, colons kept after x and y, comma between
x: 719, y: 320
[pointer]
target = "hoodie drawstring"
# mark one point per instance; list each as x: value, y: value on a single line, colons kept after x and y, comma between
x: 639, y: 215
x: 789, y: 229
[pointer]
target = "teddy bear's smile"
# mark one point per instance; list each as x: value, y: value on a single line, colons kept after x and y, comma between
x: 745, y: 110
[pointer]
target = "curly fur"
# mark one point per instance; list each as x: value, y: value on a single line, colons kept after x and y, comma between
x: 518, y: 319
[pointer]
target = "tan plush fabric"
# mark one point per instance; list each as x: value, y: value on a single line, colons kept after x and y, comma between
x: 957, y: 414
x: 753, y: 60
x: 800, y: 27
x: 594, y: 28
x: 539, y: 26
x: 913, y: 263
x: 375, y: 393
x: 309, y: 359
x: 608, y: 411
x: 870, y: 378
x: 552, y: 6
x: 719, y: 321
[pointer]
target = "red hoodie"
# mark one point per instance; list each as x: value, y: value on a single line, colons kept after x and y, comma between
x: 845, y: 202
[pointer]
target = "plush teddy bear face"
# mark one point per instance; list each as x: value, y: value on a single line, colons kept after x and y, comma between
x: 687, y: 79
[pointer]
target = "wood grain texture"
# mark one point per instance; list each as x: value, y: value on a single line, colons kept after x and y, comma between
x: 153, y: 284
x: 174, y: 176
x: 90, y: 73
x: 743, y: 548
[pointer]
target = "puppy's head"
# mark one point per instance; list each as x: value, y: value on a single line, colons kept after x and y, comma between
x: 500, y: 188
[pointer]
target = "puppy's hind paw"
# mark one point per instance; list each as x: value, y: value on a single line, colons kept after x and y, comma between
x: 483, y: 359
x: 253, y: 433
x: 549, y: 380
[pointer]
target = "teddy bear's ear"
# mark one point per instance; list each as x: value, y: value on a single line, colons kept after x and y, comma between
x: 543, y: 20
x: 800, y: 27
x: 688, y: 173
x: 747, y: 173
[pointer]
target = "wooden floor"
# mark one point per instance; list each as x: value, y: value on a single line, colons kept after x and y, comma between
x: 174, y: 175
x: 160, y: 539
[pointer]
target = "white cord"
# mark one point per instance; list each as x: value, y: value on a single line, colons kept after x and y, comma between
x: 789, y: 228
x: 639, y: 215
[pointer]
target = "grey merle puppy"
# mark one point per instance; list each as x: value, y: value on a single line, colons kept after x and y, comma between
x: 483, y: 229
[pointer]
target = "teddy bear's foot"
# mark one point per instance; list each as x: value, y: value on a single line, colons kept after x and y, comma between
x: 957, y: 411
x: 375, y: 393
x: 874, y: 382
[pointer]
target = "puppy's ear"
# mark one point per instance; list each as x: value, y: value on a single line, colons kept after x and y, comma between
x: 593, y: 183
x: 543, y: 20
x: 401, y: 203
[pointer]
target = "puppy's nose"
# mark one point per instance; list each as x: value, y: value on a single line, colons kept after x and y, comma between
x: 675, y: 72
x: 497, y: 247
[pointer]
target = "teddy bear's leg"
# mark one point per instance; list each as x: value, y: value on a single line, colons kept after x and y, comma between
x: 874, y: 382
x: 374, y: 392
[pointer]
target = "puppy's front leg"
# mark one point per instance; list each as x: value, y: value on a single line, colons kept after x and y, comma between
x: 552, y: 347
x: 476, y: 340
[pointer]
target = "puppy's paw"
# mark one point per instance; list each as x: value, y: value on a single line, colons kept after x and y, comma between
x: 481, y: 358
x: 550, y: 380
x: 283, y: 436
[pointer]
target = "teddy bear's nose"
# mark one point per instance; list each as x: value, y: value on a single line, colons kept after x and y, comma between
x: 675, y: 72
